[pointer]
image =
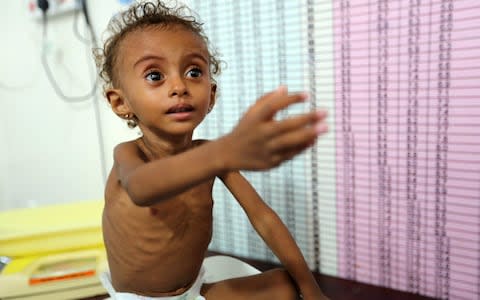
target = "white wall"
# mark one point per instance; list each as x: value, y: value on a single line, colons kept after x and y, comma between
x: 50, y: 149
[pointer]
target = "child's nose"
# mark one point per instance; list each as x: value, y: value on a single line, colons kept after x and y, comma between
x: 177, y: 87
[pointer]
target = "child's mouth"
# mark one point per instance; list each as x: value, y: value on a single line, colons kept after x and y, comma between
x: 180, y: 108
x: 181, y: 112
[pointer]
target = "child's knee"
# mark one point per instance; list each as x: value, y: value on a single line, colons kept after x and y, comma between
x: 284, y: 285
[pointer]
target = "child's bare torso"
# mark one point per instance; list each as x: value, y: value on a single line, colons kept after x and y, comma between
x: 158, y: 250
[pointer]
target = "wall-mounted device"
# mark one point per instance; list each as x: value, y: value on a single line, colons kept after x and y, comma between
x: 55, y: 7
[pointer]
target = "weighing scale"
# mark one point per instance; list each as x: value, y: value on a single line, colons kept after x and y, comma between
x: 52, y: 252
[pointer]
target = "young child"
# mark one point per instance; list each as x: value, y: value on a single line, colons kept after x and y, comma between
x: 157, y: 220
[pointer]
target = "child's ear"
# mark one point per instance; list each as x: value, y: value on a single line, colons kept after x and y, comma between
x: 213, y: 96
x: 117, y: 102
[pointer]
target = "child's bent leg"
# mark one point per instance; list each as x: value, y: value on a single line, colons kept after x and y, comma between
x: 273, y: 284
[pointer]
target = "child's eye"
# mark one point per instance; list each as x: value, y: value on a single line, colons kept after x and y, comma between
x: 154, y: 76
x: 194, y: 72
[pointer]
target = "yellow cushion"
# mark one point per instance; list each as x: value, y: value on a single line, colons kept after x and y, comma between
x: 53, y: 228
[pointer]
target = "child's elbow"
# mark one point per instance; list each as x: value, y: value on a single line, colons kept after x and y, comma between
x: 136, y: 193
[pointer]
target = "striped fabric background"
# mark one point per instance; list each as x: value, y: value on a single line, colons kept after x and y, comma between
x: 390, y: 196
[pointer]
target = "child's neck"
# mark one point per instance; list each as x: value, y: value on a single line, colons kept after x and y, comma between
x: 156, y: 148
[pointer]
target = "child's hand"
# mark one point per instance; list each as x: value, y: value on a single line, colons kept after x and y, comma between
x: 259, y: 142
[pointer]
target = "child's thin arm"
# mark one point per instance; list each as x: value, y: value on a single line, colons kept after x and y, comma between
x: 258, y: 142
x: 275, y: 234
x: 148, y: 183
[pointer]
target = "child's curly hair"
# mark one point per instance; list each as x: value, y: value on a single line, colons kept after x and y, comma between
x: 140, y: 15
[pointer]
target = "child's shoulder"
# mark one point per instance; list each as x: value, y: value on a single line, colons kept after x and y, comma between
x: 128, y: 149
x: 125, y: 146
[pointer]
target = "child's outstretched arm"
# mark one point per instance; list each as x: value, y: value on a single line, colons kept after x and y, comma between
x: 258, y: 142
x: 275, y: 234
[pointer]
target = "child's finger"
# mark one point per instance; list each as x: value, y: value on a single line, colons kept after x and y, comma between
x: 294, y: 151
x: 296, y: 138
x: 272, y: 103
x: 297, y: 122
x: 288, y: 155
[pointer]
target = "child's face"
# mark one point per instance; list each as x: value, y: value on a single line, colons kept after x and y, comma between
x: 164, y: 80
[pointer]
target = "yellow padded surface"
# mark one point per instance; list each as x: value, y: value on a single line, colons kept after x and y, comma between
x: 52, y: 228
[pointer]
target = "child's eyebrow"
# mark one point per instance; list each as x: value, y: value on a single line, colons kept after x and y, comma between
x: 189, y: 55
x: 147, y: 57
x: 196, y: 55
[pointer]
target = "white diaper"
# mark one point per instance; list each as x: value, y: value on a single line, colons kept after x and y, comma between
x: 193, y: 293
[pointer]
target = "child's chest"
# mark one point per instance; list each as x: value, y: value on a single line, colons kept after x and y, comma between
x: 192, y: 207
